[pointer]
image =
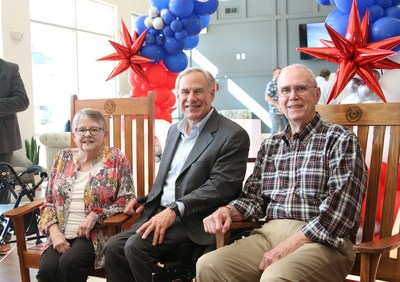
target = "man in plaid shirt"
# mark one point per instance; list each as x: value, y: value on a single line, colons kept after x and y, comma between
x: 309, y: 183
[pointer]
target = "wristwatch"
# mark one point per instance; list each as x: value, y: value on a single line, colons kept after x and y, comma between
x: 174, y: 206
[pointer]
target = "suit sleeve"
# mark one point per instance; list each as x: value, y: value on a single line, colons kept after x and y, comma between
x: 221, y: 178
x: 14, y: 99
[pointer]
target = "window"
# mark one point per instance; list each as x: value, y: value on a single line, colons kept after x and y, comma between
x: 67, y: 38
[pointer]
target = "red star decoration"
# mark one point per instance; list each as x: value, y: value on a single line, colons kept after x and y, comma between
x: 354, y: 54
x: 128, y: 54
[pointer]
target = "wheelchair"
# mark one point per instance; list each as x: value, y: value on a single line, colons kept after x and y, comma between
x: 25, y: 181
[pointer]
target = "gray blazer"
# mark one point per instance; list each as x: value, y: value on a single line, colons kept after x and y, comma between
x: 13, y: 99
x: 211, y: 177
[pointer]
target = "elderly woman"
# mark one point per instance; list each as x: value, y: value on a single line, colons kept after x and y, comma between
x: 86, y: 185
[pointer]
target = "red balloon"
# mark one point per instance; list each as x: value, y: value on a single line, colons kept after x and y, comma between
x: 137, y: 92
x: 156, y: 75
x: 131, y: 79
x: 161, y: 95
x: 171, y: 101
x: 165, y: 116
x: 354, y: 54
x: 171, y: 80
x: 145, y: 87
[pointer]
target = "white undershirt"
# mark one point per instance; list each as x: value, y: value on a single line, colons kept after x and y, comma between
x: 76, y: 209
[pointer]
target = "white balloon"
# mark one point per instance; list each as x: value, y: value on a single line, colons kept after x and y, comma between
x: 158, y: 23
x: 153, y: 12
x: 163, y: 12
x: 390, y: 85
x: 366, y: 95
x: 148, y: 22
x: 354, y: 84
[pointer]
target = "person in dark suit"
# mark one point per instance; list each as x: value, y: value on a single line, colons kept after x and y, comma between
x: 202, y: 167
x: 13, y: 99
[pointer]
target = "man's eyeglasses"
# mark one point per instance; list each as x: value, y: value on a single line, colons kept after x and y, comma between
x: 300, y: 89
x: 93, y: 131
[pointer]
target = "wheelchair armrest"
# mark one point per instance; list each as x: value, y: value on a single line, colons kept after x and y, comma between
x: 223, y: 239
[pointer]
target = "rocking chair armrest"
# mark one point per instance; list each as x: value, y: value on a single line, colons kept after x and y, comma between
x: 379, y: 246
x: 116, y: 219
x: 118, y: 222
x: 24, y: 209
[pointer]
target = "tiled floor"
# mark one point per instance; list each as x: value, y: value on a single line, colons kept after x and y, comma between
x: 9, y: 267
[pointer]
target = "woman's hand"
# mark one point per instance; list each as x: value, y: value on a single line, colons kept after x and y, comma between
x: 86, y: 226
x: 60, y: 244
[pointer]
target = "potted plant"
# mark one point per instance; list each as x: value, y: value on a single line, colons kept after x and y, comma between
x: 32, y: 150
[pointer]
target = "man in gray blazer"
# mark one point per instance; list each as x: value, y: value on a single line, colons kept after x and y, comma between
x: 202, y: 167
x: 13, y: 99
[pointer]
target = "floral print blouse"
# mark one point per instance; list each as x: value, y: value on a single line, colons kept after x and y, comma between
x: 108, y: 190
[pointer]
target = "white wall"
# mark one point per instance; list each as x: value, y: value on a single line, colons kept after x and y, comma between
x: 15, y: 18
x: 18, y: 51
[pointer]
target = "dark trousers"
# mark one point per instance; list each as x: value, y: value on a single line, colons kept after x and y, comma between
x: 130, y: 258
x: 72, y: 266
x: 4, y: 191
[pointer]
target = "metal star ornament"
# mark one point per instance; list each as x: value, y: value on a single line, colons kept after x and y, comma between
x: 127, y: 54
x: 355, y: 55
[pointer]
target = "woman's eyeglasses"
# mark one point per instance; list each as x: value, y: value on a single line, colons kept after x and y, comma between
x: 93, y: 131
x: 300, y: 89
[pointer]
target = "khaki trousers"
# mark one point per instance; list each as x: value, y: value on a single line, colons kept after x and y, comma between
x: 240, y: 260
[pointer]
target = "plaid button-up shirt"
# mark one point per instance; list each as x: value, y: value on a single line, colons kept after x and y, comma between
x: 319, y: 177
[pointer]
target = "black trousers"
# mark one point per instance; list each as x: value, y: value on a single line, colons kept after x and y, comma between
x: 72, y: 266
x: 130, y: 258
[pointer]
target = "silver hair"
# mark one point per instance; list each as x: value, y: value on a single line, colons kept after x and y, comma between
x: 312, y: 75
x: 92, y: 114
x: 209, y: 77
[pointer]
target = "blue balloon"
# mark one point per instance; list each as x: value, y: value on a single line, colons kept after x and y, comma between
x: 173, y: 45
x: 393, y: 12
x: 340, y: 25
x: 384, y: 3
x: 153, y: 52
x: 205, y: 8
x: 181, y: 35
x: 176, y: 25
x: 333, y: 16
x: 168, y: 17
x: 160, y: 40
x: 375, y: 12
x: 324, y: 2
x: 205, y: 20
x: 160, y: 4
x: 140, y: 26
x: 196, y: 25
x: 153, y: 31
x: 150, y: 38
x: 176, y: 62
x: 345, y: 5
x: 385, y: 27
x: 333, y: 3
x: 395, y: 2
x: 167, y: 31
x: 191, y: 42
x: 181, y: 8
x: 187, y: 22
